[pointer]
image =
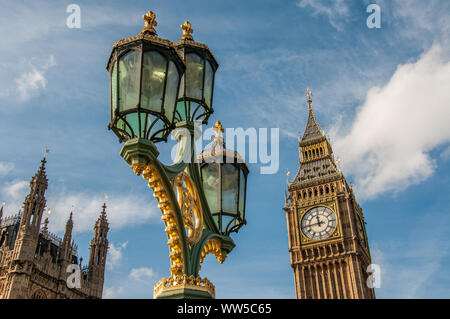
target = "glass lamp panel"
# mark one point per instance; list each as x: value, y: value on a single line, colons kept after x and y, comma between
x: 211, y: 186
x: 194, y: 76
x: 171, y: 90
x: 153, y: 78
x: 128, y: 80
x: 113, y: 90
x: 241, y: 193
x: 230, y: 175
x: 225, y: 221
x: 209, y: 74
x: 181, y: 109
x: 144, y: 120
x: 181, y: 90
x: 195, y: 110
x: 132, y: 120
x: 121, y: 125
x: 156, y: 130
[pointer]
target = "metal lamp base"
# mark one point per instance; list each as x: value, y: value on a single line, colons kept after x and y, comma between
x: 184, y: 287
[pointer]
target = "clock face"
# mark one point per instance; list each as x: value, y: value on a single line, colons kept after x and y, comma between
x: 361, y: 231
x: 318, y: 223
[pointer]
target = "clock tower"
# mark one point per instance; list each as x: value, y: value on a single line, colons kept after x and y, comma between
x: 327, y: 237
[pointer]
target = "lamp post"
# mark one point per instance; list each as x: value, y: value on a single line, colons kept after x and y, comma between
x: 157, y: 88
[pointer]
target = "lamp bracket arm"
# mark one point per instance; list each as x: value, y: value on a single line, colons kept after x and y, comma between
x: 210, y: 243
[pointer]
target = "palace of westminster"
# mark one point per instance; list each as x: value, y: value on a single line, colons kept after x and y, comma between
x: 34, y: 262
x: 328, y: 244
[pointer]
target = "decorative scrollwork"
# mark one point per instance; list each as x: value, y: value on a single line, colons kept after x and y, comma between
x: 213, y: 246
x: 150, y: 173
x: 190, y: 207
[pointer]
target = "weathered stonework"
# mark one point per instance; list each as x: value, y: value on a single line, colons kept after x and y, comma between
x: 33, y: 261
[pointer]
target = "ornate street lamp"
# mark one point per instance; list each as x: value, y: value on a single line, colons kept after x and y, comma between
x: 148, y: 103
x: 224, y: 180
x: 196, y: 90
x: 145, y: 74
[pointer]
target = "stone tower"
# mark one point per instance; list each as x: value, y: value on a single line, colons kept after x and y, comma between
x: 328, y: 244
x: 34, y: 263
x: 97, y: 257
x: 18, y: 278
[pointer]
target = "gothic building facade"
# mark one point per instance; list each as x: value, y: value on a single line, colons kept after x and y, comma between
x: 328, y: 245
x: 34, y: 263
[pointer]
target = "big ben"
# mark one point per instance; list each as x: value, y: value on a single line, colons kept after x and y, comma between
x: 328, y: 244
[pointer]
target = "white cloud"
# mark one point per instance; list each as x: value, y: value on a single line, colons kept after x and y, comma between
x: 387, y: 147
x: 30, y: 83
x: 138, y: 284
x: 122, y: 210
x: 6, y: 167
x: 13, y: 193
x: 143, y: 274
x: 111, y: 292
x: 115, y: 254
x: 336, y: 11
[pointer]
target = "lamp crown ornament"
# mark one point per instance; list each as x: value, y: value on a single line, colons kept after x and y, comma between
x: 150, y: 22
x: 187, y: 30
x: 218, y: 129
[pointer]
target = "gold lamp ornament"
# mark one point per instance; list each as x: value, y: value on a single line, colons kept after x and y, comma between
x: 187, y: 30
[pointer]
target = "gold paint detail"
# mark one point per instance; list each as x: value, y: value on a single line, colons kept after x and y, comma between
x: 218, y: 130
x: 183, y: 281
x: 195, y: 44
x: 187, y: 30
x: 150, y: 22
x: 333, y: 237
x: 213, y: 246
x: 189, y: 202
x: 151, y: 174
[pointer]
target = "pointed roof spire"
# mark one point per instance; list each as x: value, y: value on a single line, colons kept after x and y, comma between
x: 70, y: 220
x: 102, y: 220
x: 40, y: 174
x: 312, y: 130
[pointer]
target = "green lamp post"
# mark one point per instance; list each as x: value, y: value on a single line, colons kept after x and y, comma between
x: 158, y: 88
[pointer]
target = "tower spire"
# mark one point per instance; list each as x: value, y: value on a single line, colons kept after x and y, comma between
x: 312, y: 130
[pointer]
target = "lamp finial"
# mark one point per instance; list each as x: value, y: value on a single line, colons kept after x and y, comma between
x: 150, y: 22
x: 187, y: 30
x: 218, y: 129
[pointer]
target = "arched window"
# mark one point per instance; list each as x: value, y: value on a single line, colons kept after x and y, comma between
x: 38, y: 294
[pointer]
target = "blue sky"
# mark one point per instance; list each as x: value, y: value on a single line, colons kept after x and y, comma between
x: 380, y: 94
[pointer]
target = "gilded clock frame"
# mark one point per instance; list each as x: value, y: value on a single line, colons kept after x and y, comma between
x: 335, y: 236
